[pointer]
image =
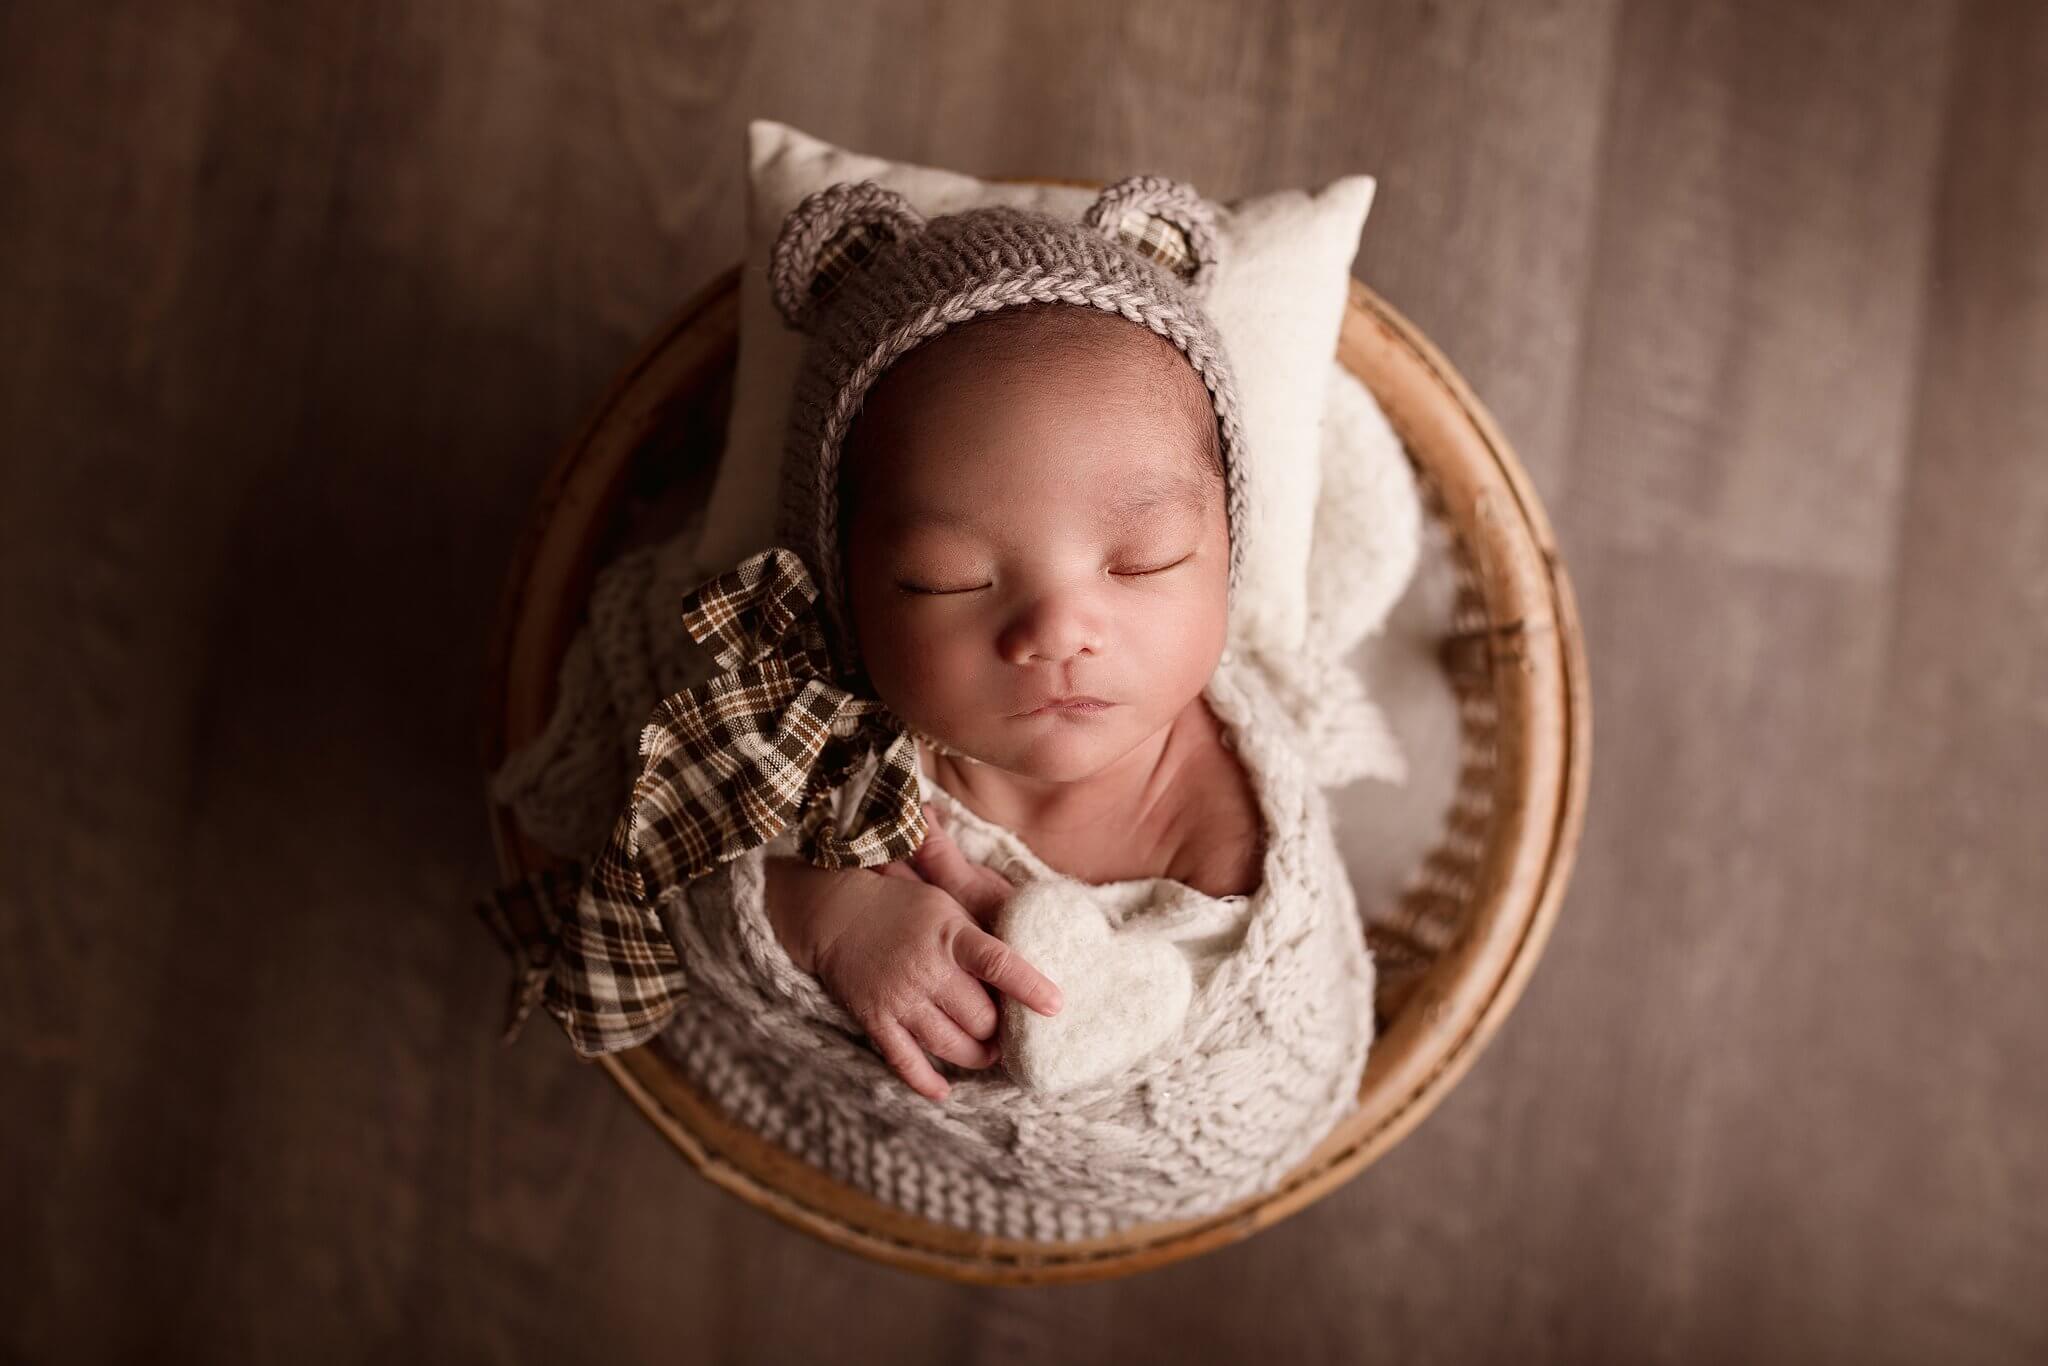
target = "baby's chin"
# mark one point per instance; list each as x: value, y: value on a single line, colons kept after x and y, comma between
x: 1064, y: 748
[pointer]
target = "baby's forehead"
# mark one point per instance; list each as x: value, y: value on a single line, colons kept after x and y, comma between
x: 1038, y: 363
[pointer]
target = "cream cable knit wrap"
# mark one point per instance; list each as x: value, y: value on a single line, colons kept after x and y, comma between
x: 1268, y: 1058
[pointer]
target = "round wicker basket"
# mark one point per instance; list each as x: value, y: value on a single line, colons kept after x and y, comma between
x: 1453, y: 958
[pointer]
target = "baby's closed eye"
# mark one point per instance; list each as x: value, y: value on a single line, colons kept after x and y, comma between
x: 1123, y: 567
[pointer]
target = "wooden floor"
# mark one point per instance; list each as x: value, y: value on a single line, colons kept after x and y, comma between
x: 296, y: 301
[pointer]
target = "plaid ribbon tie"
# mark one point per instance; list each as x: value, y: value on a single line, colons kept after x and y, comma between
x: 726, y: 766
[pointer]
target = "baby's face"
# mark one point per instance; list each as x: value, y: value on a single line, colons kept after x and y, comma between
x: 1031, y: 521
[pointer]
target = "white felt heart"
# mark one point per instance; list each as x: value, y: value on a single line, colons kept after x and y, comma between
x: 1125, y: 992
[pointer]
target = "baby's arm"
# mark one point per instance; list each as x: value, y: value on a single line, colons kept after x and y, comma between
x: 808, y: 906
x: 795, y: 892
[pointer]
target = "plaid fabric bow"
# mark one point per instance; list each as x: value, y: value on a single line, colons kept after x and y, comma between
x: 726, y: 766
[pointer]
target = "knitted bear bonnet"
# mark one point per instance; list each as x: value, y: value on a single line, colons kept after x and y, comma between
x: 867, y: 278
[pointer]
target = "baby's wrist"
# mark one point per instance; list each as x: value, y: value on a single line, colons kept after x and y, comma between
x: 794, y: 890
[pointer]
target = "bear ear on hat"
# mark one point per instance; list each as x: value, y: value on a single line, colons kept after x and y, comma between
x: 1164, y: 219
x: 827, y: 237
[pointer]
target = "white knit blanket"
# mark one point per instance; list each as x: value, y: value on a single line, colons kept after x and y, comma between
x: 1265, y: 1059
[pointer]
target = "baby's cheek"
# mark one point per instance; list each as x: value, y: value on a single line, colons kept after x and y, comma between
x: 1195, y: 653
x: 1195, y: 630
x: 922, y: 668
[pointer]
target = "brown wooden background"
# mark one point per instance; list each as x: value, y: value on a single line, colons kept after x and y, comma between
x: 297, y: 299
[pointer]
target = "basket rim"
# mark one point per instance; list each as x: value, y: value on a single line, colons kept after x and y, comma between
x: 578, y: 491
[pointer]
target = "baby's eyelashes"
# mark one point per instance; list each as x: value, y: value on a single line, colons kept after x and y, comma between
x: 1143, y: 573
x: 921, y: 590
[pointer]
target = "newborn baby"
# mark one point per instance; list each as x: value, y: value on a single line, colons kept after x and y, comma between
x: 1036, y: 555
x: 974, y: 729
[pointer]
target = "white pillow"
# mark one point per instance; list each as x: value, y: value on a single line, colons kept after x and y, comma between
x: 1277, y: 299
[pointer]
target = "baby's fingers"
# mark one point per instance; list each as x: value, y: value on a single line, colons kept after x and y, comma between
x: 942, y: 1038
x: 969, y: 1004
x: 1003, y: 968
x: 903, y: 1055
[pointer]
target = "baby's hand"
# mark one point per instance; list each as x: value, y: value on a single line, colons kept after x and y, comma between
x: 906, y: 959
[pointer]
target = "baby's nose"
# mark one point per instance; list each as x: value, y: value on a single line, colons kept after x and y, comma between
x: 1052, y: 630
